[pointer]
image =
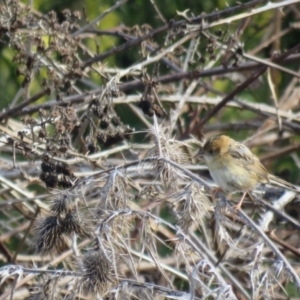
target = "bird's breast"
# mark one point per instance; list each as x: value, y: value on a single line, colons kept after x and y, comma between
x: 231, y: 176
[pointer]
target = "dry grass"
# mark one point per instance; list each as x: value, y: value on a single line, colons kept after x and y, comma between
x: 93, y: 209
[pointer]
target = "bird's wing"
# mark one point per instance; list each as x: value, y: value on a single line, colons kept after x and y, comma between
x: 242, y: 152
x: 249, y: 161
x: 282, y: 183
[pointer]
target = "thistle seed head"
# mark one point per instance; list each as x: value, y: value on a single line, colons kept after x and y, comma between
x: 98, y: 271
x: 49, y: 236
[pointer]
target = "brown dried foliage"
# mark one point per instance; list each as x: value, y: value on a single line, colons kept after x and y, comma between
x: 92, y: 208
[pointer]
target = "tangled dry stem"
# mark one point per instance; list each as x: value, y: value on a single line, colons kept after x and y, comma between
x: 125, y: 214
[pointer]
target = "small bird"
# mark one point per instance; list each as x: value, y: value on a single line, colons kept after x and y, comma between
x: 235, y: 168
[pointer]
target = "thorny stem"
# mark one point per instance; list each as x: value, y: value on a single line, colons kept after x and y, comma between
x: 141, y: 161
x: 244, y: 85
x: 96, y: 20
x: 196, y: 20
x: 141, y: 184
x: 276, y: 251
x: 129, y: 86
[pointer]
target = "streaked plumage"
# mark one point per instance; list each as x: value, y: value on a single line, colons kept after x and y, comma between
x: 234, y: 167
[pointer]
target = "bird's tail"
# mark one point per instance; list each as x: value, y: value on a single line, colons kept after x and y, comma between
x: 282, y: 183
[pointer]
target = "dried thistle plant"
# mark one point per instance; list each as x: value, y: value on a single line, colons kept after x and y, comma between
x: 61, y: 204
x: 135, y: 213
x: 50, y: 235
x: 190, y: 205
x: 47, y: 290
x: 97, y: 267
x: 73, y: 222
x: 169, y: 148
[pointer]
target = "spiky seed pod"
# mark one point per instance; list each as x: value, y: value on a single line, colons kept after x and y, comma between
x: 74, y: 223
x: 91, y: 147
x: 46, y: 158
x: 50, y: 180
x: 113, y: 137
x: 171, y: 149
x: 64, y: 169
x: 65, y: 184
x: 116, y: 121
x: 98, y: 271
x: 61, y: 204
x: 104, y: 123
x: 48, y: 166
x: 49, y: 235
x: 101, y: 137
x: 42, y: 133
x: 191, y: 205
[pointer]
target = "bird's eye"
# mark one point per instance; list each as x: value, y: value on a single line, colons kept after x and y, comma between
x: 210, y: 151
